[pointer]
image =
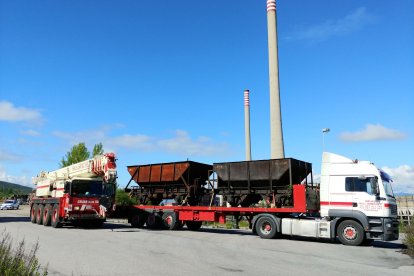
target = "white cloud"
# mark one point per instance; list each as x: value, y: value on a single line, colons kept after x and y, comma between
x: 73, y: 138
x: 403, y: 177
x: 184, y: 145
x: 373, y: 133
x: 30, y: 132
x: 348, y: 24
x: 138, y: 141
x: 10, y: 157
x: 11, y: 113
x: 181, y: 143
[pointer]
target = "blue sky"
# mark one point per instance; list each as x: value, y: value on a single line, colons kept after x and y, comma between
x: 161, y: 81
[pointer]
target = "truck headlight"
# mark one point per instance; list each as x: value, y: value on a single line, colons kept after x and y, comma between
x: 388, y: 225
x: 76, y: 208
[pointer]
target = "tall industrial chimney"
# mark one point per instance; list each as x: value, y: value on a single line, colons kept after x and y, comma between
x: 276, y: 134
x: 247, y: 125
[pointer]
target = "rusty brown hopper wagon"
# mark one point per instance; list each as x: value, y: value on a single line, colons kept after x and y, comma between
x: 245, y: 183
x: 181, y: 181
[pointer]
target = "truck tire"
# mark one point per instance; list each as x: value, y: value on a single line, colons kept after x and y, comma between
x: 194, y: 225
x: 39, y: 213
x: 154, y: 221
x: 33, y: 213
x: 350, y: 232
x: 46, y: 215
x: 55, y: 217
x: 138, y: 220
x: 170, y: 221
x: 266, y: 227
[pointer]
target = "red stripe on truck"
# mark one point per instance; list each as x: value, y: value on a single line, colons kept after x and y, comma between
x: 41, y: 187
x: 335, y: 203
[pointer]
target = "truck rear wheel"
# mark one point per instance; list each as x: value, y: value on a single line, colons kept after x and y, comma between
x: 55, y: 217
x: 39, y: 213
x: 350, y: 232
x: 194, y: 225
x: 33, y: 212
x: 46, y: 215
x: 170, y: 221
x: 266, y: 227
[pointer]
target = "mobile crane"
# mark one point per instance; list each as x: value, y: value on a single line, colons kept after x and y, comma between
x: 80, y: 193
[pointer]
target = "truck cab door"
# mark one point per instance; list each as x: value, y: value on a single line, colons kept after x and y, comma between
x: 365, y: 197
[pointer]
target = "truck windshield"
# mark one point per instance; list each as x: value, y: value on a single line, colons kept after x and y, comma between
x: 388, y: 188
x: 86, y: 188
x: 386, y: 180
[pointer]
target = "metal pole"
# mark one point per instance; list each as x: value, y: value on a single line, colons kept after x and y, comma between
x: 324, y: 130
x: 247, y: 125
x: 276, y: 134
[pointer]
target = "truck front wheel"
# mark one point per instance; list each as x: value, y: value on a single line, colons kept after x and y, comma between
x: 350, y: 232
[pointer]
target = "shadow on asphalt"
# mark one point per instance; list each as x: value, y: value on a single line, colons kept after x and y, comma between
x: 376, y: 244
x: 14, y: 219
x: 226, y: 231
x: 388, y: 245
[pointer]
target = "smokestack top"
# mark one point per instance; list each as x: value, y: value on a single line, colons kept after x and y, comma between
x: 271, y: 5
x: 246, y: 98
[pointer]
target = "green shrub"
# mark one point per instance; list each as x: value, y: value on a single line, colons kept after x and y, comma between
x: 15, y: 261
x: 409, y: 239
x: 122, y: 198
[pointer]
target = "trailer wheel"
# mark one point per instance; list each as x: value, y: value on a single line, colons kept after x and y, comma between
x: 138, y: 220
x: 55, y: 217
x: 33, y: 212
x: 266, y: 227
x: 194, y: 225
x: 170, y: 221
x: 46, y: 215
x: 154, y: 221
x: 350, y: 232
x: 39, y: 213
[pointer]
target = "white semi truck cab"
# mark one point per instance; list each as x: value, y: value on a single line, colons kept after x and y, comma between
x: 357, y: 191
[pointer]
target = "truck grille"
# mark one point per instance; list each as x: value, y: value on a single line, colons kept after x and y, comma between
x: 393, y: 208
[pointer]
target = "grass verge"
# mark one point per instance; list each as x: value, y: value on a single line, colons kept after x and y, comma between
x: 409, y: 239
x: 14, y: 261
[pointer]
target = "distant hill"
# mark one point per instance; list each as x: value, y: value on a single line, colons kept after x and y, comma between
x: 6, y: 186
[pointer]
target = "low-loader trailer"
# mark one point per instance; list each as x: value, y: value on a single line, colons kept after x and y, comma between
x: 354, y: 201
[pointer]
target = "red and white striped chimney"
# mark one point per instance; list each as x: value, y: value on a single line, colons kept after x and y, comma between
x: 276, y: 134
x: 247, y: 125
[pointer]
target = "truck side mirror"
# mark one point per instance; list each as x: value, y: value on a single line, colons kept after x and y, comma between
x: 376, y: 186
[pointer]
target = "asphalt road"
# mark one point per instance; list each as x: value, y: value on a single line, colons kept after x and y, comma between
x: 118, y: 249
